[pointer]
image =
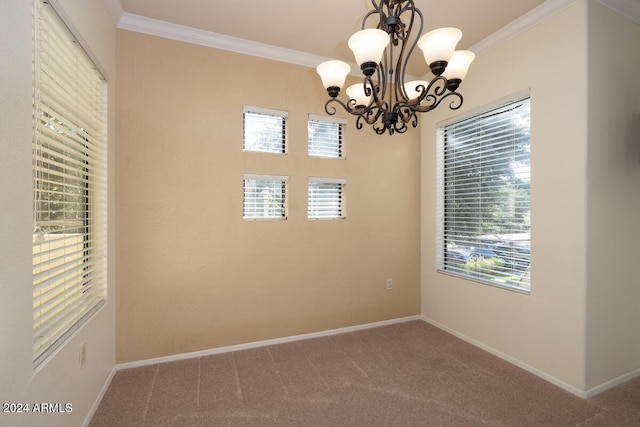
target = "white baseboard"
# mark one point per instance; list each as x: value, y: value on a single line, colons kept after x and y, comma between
x: 612, y: 383
x: 264, y: 343
x: 103, y: 391
x: 585, y: 394
x: 553, y: 380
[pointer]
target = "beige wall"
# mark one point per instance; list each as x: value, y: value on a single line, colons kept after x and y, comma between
x: 192, y: 274
x: 613, y: 209
x: 60, y: 378
x: 543, y: 331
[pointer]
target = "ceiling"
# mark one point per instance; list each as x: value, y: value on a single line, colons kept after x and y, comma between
x: 322, y: 27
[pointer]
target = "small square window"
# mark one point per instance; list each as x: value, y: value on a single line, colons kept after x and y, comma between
x: 264, y: 197
x: 325, y: 136
x: 264, y: 130
x: 326, y: 198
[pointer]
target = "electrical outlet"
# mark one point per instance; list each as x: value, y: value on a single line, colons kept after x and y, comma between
x: 83, y: 354
x: 389, y: 283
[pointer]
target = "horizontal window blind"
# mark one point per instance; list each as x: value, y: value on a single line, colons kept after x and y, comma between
x: 484, y: 196
x: 326, y: 198
x: 69, y: 170
x: 325, y: 136
x: 264, y: 197
x: 265, y: 130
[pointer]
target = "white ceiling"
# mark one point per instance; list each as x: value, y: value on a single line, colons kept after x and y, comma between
x: 322, y: 27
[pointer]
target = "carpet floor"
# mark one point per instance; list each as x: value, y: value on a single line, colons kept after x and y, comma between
x: 407, y: 374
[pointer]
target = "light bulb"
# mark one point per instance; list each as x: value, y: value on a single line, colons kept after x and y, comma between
x: 410, y: 88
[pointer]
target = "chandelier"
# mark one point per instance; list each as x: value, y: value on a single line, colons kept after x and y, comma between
x: 384, y: 100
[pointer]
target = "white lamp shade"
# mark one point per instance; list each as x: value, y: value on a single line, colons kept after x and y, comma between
x: 356, y: 92
x: 438, y: 45
x: 368, y: 45
x: 410, y: 88
x: 333, y: 73
x: 459, y: 64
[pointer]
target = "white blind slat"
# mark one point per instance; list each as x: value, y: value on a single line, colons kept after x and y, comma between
x: 69, y: 155
x: 483, y: 199
x: 264, y: 197
x: 326, y: 198
x: 325, y: 138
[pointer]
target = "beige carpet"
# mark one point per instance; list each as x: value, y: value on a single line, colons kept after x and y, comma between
x: 408, y: 374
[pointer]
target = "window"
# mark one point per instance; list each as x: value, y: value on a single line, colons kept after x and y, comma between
x: 325, y: 136
x: 326, y: 198
x: 265, y: 197
x: 69, y: 170
x: 484, y: 197
x: 265, y: 130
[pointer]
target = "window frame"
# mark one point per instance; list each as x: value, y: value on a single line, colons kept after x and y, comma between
x: 447, y: 252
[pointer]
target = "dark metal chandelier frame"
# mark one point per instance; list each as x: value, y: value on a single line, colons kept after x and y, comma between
x: 390, y: 106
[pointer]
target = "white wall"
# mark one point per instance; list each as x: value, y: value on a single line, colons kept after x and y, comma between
x: 543, y: 331
x: 613, y: 206
x: 60, y: 379
x: 578, y: 327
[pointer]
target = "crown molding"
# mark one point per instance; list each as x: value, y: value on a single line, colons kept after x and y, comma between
x: 182, y: 33
x: 115, y: 9
x: 628, y: 8
x: 520, y: 25
x: 142, y: 24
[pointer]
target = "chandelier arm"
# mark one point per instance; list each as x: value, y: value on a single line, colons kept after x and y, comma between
x: 455, y: 103
x: 412, y: 46
x: 415, y: 120
x: 439, y: 85
x: 380, y: 89
x: 436, y: 87
x: 391, y: 72
x: 377, y: 115
x: 377, y: 6
x: 377, y: 9
x: 395, y: 28
x: 364, y: 20
x: 407, y: 115
x: 400, y: 127
x: 370, y: 116
x: 381, y: 128
x: 434, y: 101
x: 410, y: 4
x: 349, y: 107
x: 405, y: 112
x: 403, y: 30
